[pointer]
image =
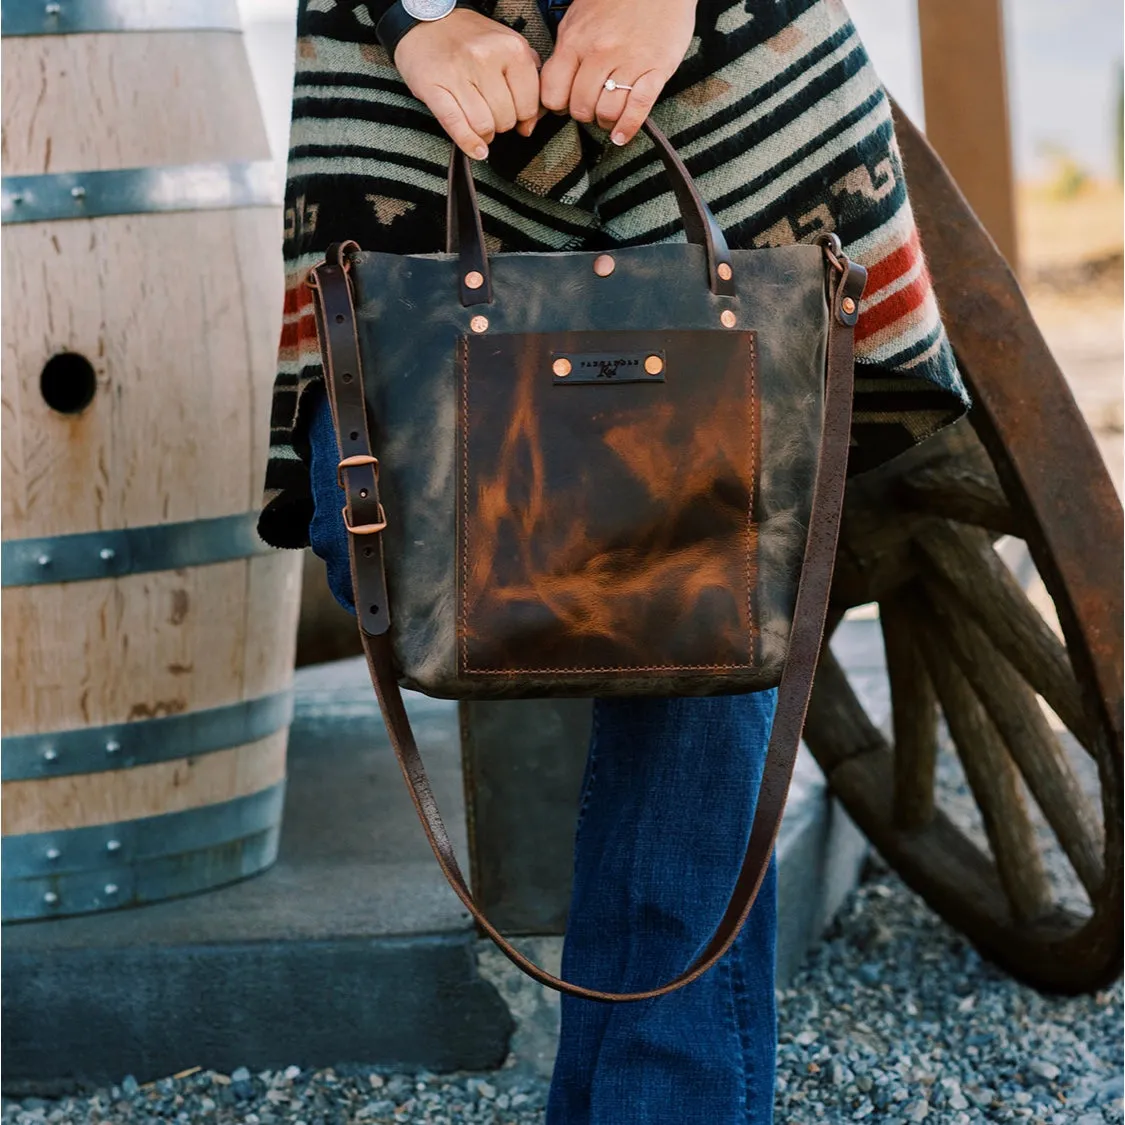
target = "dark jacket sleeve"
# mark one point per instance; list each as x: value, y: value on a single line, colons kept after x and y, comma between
x: 355, y: 20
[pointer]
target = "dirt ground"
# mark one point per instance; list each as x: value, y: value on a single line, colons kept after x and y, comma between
x: 1071, y: 270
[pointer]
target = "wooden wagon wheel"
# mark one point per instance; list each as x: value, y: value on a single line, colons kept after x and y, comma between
x: 962, y: 638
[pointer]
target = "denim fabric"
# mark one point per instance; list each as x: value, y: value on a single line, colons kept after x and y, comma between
x: 327, y: 535
x: 553, y: 11
x: 665, y: 813
x: 665, y: 810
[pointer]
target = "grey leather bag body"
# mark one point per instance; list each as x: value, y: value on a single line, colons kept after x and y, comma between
x: 592, y: 474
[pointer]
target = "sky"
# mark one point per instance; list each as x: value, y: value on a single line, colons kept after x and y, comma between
x: 1062, y: 58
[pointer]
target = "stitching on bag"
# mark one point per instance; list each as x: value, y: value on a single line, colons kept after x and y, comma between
x: 463, y: 608
x: 752, y: 372
x: 615, y: 668
x: 465, y: 669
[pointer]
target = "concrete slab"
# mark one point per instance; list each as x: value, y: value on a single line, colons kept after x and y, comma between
x: 351, y: 948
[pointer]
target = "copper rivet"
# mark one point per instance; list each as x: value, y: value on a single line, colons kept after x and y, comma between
x: 561, y: 367
x: 848, y: 305
x: 474, y: 279
x: 724, y: 271
x: 478, y: 323
x: 727, y: 317
x: 654, y: 364
x: 604, y: 265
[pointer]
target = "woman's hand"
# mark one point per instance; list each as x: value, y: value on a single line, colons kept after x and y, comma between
x: 639, y: 43
x: 478, y: 77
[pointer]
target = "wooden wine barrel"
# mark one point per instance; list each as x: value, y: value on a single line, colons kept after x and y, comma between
x: 148, y: 634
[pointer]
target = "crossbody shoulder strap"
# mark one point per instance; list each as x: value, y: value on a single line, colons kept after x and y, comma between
x: 359, y: 476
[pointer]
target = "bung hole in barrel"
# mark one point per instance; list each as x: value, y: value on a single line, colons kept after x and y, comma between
x: 68, y: 383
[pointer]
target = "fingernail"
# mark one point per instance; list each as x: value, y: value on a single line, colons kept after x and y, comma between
x: 480, y: 152
x: 618, y: 138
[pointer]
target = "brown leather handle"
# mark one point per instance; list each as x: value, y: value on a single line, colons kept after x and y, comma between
x: 340, y: 350
x: 464, y: 231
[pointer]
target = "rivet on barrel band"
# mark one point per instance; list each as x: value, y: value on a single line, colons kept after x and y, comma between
x: 136, y: 191
x: 96, y: 749
x: 76, y: 17
x: 135, y: 550
x: 148, y: 859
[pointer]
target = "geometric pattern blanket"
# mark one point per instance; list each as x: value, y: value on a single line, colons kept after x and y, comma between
x: 778, y: 115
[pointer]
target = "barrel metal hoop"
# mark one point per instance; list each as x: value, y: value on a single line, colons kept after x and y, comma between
x: 122, y: 746
x: 137, y: 191
x: 75, y: 17
x: 90, y: 555
x: 50, y: 874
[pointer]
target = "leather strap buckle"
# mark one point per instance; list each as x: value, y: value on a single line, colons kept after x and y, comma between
x: 354, y: 462
x: 367, y: 528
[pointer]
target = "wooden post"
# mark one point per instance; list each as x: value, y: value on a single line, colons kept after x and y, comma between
x: 964, y: 83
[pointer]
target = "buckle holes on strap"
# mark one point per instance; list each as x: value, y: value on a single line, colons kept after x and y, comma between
x: 67, y: 383
x: 347, y: 376
x: 363, y: 493
x: 374, y: 609
x: 368, y: 552
x: 354, y: 435
x: 339, y: 318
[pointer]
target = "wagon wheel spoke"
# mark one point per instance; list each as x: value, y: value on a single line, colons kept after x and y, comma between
x: 968, y: 493
x: 1014, y: 710
x: 991, y: 774
x: 914, y: 718
x: 937, y: 859
x: 993, y: 598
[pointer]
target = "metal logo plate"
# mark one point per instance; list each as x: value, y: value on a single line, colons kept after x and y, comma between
x: 608, y: 367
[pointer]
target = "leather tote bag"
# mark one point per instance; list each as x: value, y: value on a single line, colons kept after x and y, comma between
x: 572, y: 473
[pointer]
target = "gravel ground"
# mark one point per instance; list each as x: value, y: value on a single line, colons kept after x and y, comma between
x: 894, y: 1019
x: 336, y: 1096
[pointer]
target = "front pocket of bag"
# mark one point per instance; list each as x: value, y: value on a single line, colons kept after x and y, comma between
x: 606, y: 504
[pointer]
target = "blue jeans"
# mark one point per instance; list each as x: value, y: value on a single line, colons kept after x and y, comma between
x: 666, y: 804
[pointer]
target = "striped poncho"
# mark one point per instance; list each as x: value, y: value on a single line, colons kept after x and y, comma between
x: 778, y: 115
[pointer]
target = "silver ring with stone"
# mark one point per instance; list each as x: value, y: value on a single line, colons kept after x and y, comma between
x: 612, y: 84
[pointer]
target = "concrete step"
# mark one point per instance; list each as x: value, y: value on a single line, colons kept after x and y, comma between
x: 352, y: 948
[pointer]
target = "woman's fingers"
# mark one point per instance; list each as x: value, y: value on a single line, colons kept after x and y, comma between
x: 611, y: 104
x: 451, y: 117
x: 476, y: 75
x: 524, y: 128
x: 477, y: 110
x: 556, y: 79
x: 523, y: 84
x: 588, y: 87
x: 642, y: 97
x: 497, y: 95
x: 598, y: 39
